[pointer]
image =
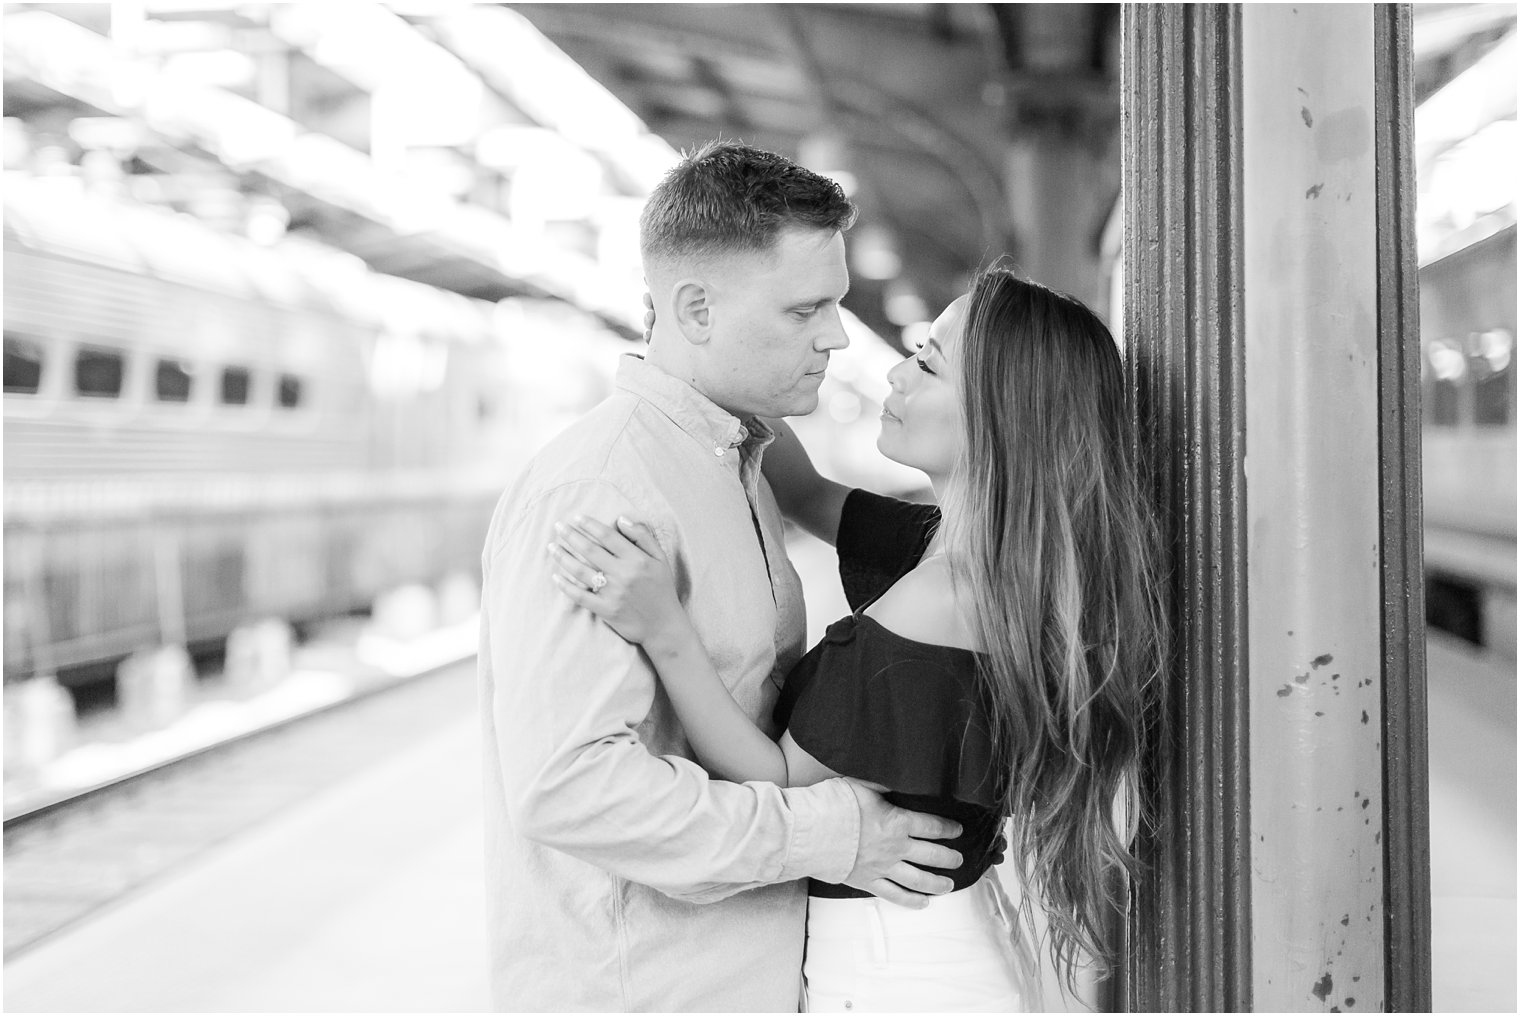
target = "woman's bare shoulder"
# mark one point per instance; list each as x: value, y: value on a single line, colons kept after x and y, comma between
x: 922, y: 606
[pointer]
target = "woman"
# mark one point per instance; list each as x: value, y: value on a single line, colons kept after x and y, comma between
x: 996, y: 664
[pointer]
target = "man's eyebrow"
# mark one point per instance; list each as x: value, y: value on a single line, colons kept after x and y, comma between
x: 817, y: 301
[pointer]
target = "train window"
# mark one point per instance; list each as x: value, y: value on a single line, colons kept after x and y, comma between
x: 1444, y: 404
x: 172, y: 380
x: 1491, y: 400
x: 1455, y: 606
x: 236, y: 382
x: 1448, y: 367
x: 291, y: 391
x: 1490, y: 355
x: 98, y: 373
x: 23, y: 365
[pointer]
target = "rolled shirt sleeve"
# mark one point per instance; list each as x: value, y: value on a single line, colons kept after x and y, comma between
x: 568, y: 700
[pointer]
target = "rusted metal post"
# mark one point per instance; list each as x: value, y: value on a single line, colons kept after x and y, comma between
x: 1187, y: 938
x: 1406, y: 793
x: 1313, y: 507
x: 1271, y: 336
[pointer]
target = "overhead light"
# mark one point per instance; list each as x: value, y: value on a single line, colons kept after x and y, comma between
x: 1483, y: 93
x: 77, y: 62
x: 825, y: 154
x: 424, y: 95
x: 844, y: 178
x: 113, y: 133
x: 265, y: 221
x: 541, y: 78
x: 873, y: 254
x: 844, y: 407
x: 18, y: 144
x: 903, y: 305
x: 915, y: 335
x: 509, y: 146
x: 1447, y: 361
x: 559, y: 189
x: 555, y: 91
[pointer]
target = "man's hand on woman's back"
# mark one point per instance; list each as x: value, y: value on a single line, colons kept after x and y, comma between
x: 894, y: 842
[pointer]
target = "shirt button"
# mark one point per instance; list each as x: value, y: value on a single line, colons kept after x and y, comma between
x: 848, y: 1004
x: 718, y: 451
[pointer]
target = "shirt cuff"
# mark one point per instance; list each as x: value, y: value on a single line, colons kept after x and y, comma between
x: 825, y: 832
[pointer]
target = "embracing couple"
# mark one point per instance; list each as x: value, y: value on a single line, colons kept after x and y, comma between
x: 689, y: 810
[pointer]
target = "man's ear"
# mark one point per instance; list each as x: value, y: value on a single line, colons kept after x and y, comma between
x: 691, y: 301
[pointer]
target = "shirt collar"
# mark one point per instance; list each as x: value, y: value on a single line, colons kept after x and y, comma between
x: 689, y: 409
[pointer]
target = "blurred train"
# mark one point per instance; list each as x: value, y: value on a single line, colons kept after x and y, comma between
x: 1467, y: 345
x: 1467, y: 335
x: 202, y: 432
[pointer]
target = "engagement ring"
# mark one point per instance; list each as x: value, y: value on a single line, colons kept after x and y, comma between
x: 598, y: 581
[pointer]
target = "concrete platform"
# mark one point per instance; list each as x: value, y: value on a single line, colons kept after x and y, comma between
x: 368, y: 897
x: 1472, y: 829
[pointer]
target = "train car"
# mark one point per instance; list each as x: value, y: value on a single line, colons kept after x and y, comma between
x: 1467, y: 342
x: 1467, y: 335
x: 201, y: 432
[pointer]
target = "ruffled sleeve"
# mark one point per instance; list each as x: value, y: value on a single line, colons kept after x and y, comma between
x: 880, y: 539
x: 871, y: 704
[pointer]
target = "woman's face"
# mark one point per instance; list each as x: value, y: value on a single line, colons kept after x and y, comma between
x: 921, y: 421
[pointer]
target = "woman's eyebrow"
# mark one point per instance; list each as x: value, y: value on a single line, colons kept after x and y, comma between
x: 933, y: 347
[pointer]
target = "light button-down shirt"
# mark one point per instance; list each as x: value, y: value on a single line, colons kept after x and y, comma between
x: 619, y: 875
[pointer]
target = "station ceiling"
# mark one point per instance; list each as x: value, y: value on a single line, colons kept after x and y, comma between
x: 915, y: 101
x: 918, y: 104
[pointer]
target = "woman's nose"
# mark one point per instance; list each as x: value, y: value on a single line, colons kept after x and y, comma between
x: 895, y: 376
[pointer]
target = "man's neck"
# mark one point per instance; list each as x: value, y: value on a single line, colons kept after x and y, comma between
x: 680, y: 368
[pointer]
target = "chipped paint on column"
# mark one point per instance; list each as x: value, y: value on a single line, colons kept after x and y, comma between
x: 1312, y: 507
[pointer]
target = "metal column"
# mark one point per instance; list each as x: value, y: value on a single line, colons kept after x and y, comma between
x: 1406, y: 793
x: 1271, y: 337
x: 1186, y: 939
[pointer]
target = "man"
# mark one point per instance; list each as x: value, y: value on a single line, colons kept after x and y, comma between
x: 620, y: 876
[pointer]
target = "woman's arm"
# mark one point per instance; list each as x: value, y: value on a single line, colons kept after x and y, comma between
x: 637, y: 599
x: 726, y: 740
x: 806, y: 498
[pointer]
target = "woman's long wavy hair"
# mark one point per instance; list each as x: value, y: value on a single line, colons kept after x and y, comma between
x: 1052, y: 546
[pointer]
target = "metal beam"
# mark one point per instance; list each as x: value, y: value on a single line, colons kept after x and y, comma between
x: 1406, y: 792
x: 1187, y: 940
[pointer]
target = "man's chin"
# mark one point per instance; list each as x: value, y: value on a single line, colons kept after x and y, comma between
x: 803, y: 405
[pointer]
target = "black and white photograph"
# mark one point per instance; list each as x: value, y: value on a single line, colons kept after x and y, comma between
x: 759, y: 507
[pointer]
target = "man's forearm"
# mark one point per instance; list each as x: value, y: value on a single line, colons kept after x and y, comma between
x: 662, y: 822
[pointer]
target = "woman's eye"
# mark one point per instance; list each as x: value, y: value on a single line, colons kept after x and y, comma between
x: 922, y: 365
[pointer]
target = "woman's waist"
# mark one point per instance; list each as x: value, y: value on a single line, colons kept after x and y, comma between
x: 980, y: 843
x: 841, y: 918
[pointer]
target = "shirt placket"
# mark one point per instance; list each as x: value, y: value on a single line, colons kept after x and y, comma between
x: 749, y: 478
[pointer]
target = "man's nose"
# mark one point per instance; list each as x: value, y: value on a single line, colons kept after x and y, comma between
x: 833, y: 335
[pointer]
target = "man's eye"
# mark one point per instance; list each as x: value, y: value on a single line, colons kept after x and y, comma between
x: 922, y: 365
x: 805, y: 312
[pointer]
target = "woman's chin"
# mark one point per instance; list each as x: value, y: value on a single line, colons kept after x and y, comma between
x: 887, y: 446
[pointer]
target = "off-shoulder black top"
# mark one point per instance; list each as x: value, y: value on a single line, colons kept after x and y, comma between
x: 872, y: 704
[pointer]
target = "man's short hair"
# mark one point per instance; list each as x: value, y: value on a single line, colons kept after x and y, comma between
x: 726, y: 197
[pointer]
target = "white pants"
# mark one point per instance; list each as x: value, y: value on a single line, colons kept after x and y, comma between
x: 963, y: 953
